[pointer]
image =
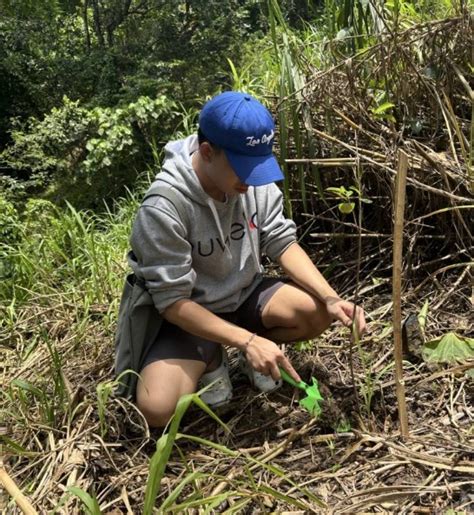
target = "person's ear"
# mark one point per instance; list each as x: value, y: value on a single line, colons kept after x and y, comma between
x: 206, y: 151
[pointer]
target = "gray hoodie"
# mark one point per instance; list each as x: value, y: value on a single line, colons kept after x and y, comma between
x: 212, y: 257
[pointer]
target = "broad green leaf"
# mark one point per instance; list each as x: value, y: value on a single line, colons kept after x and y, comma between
x: 449, y: 348
x: 337, y: 191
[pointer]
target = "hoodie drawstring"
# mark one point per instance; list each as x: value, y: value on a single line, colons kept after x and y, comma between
x: 219, y: 226
x: 252, y: 244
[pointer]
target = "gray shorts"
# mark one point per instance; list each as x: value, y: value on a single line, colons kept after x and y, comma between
x: 174, y: 342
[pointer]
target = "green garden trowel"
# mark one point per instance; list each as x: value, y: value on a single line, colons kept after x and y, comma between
x: 313, y: 395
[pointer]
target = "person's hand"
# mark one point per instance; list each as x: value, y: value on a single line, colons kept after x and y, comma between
x: 343, y: 310
x: 265, y: 357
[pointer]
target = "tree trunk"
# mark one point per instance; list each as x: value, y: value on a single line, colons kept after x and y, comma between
x: 115, y: 18
x: 85, y: 17
x: 97, y: 23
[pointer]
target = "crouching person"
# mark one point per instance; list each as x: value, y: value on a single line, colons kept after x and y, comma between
x: 197, y: 246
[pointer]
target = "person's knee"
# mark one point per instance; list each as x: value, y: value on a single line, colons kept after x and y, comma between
x: 162, y: 384
x: 156, y: 411
x: 313, y: 323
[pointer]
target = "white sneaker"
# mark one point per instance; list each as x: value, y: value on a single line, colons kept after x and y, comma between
x: 265, y: 384
x: 220, y: 393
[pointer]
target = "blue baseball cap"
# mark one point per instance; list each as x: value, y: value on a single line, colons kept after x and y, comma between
x: 244, y: 129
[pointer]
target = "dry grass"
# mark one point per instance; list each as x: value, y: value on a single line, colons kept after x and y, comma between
x: 410, y: 91
x: 363, y: 466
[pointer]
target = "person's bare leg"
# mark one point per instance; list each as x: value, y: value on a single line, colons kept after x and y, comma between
x: 293, y: 314
x: 163, y: 383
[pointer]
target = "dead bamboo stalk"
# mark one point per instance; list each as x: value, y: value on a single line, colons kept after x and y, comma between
x: 369, y: 235
x: 15, y: 492
x: 327, y: 162
x: 400, y: 187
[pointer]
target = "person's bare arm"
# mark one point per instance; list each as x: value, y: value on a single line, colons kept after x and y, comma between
x: 263, y: 354
x: 296, y: 263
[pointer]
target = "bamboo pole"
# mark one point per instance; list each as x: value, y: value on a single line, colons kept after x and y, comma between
x: 400, y: 186
x: 15, y: 492
x: 370, y: 235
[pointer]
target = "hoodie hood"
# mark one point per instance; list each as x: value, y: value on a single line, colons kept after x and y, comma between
x: 177, y: 169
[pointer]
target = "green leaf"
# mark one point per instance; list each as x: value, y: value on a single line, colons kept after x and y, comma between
x: 422, y: 315
x: 354, y: 188
x: 346, y: 207
x: 29, y: 387
x: 173, y: 496
x: 283, y: 497
x: 337, y: 191
x: 449, y: 348
x: 165, y: 444
x: 343, y: 426
x: 304, y: 345
x: 203, y: 441
x: 90, y: 503
x: 16, y: 448
x: 383, y: 107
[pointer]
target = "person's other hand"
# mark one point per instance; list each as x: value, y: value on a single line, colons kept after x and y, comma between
x: 343, y: 310
x: 265, y: 357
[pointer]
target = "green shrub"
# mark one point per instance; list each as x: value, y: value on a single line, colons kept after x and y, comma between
x: 85, y: 155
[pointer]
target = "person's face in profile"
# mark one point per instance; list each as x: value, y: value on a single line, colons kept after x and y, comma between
x: 220, y: 171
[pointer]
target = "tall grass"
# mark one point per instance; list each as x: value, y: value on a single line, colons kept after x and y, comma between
x: 277, y: 71
x: 77, y: 253
x: 61, y: 263
x: 300, y: 54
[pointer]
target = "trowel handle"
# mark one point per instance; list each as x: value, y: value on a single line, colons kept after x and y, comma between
x: 289, y: 379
